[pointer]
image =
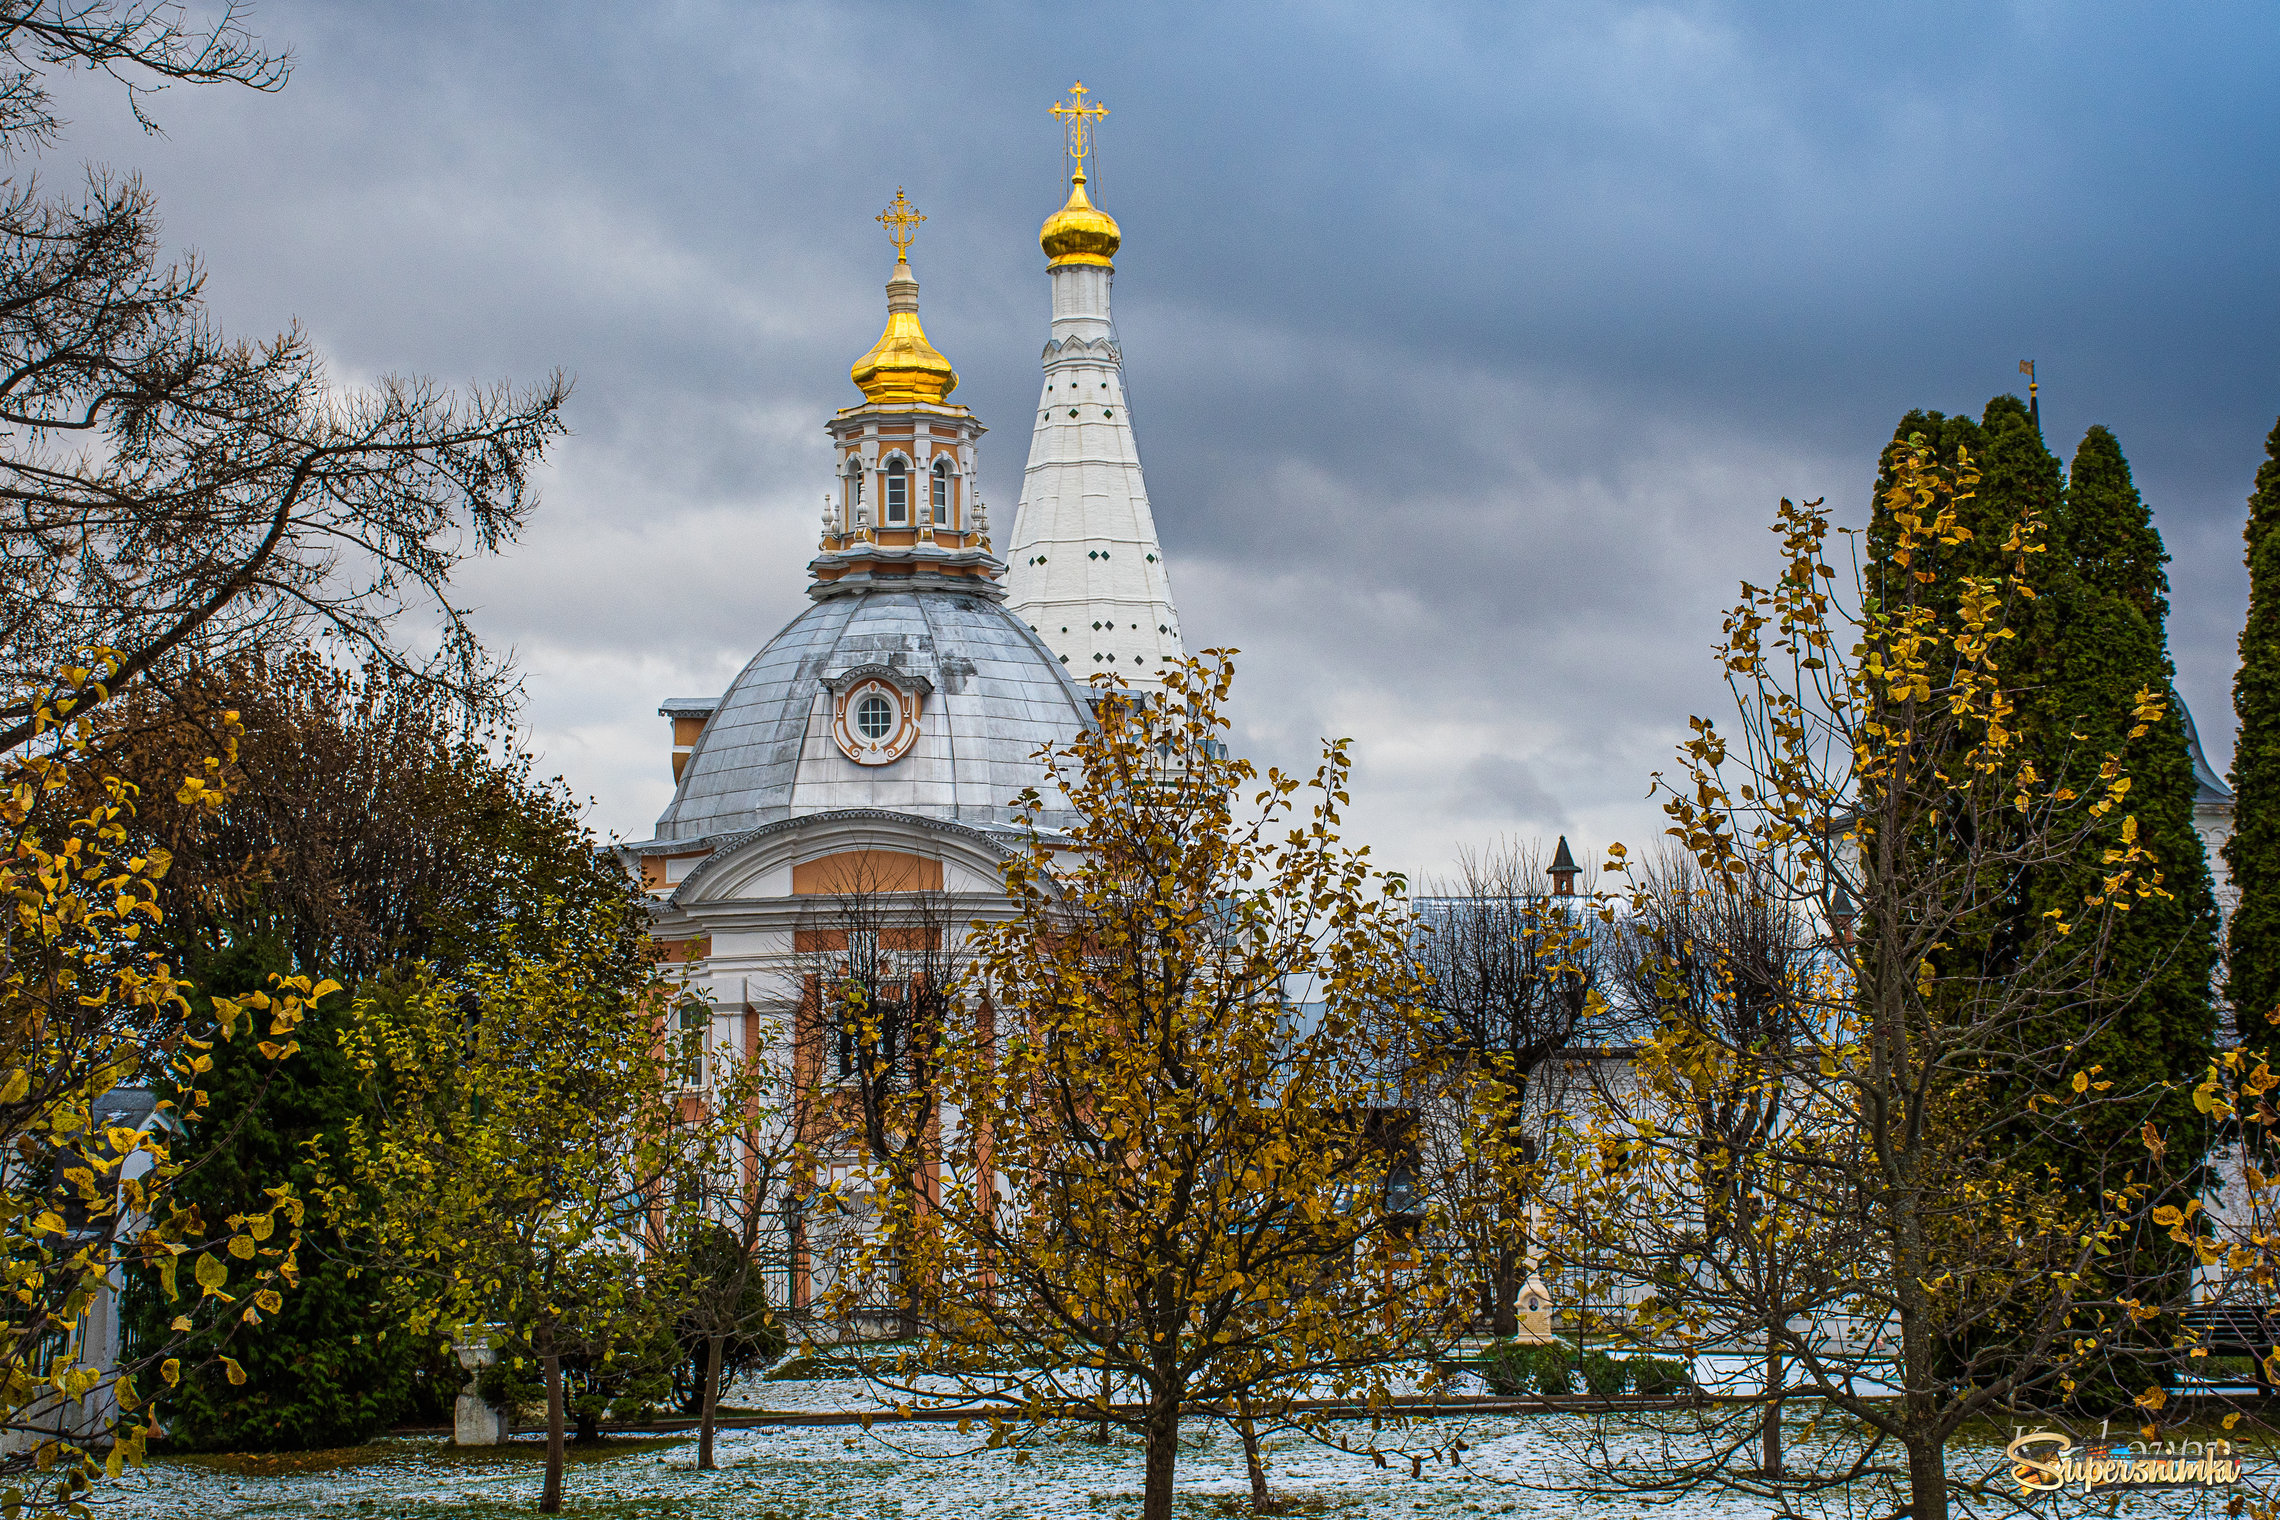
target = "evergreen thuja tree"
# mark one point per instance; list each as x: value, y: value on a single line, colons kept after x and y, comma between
x: 323, y: 1370
x: 2253, y: 853
x: 2008, y: 478
x: 2113, y: 644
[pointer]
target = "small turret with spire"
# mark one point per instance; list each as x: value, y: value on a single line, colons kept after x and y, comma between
x: 1563, y: 870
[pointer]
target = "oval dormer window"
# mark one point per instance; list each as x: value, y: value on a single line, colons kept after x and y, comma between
x: 875, y: 722
x: 942, y: 493
x: 898, y: 493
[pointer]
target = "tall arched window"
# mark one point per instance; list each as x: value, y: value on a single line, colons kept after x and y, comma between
x: 854, y: 489
x: 696, y: 1025
x: 942, y: 493
x: 898, y: 492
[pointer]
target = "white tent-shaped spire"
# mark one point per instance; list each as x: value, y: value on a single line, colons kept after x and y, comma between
x: 1084, y: 567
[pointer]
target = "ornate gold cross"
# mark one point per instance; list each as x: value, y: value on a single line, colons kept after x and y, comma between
x: 1077, y: 122
x: 898, y: 219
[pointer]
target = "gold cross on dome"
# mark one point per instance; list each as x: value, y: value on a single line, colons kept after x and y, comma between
x: 1077, y: 121
x: 898, y: 219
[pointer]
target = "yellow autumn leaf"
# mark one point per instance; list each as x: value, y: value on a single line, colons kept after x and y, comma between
x: 235, y: 1372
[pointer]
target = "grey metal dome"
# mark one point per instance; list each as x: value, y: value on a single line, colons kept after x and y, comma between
x: 997, y: 695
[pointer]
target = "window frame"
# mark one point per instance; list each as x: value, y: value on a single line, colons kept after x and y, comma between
x: 897, y: 494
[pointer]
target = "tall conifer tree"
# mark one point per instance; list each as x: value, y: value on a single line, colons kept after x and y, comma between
x: 2113, y: 643
x: 2018, y: 478
x: 2095, y: 637
x: 2253, y: 852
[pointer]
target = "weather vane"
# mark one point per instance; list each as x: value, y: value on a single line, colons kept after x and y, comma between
x: 899, y: 219
x: 1077, y: 121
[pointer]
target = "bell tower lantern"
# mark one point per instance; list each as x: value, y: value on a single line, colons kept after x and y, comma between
x: 903, y: 509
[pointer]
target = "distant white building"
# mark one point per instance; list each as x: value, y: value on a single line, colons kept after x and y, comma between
x: 2212, y: 816
x: 98, y: 1338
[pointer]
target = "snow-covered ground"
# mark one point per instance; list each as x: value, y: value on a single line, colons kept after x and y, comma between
x: 1512, y: 1466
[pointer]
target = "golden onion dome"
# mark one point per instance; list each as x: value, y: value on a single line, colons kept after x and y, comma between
x: 1080, y: 232
x: 902, y: 366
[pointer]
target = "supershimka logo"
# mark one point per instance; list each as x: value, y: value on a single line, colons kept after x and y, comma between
x: 2045, y: 1461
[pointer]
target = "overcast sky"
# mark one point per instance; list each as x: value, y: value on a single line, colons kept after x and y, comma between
x: 1470, y: 347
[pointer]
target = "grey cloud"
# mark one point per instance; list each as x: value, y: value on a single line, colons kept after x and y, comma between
x: 1499, y: 786
x: 1471, y: 345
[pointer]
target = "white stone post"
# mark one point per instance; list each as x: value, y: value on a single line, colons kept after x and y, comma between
x: 475, y: 1421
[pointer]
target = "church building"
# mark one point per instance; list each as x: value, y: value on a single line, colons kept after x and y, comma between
x: 872, y: 750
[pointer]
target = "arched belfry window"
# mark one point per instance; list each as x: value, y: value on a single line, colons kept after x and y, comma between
x: 898, y: 492
x: 854, y: 487
x: 942, y: 493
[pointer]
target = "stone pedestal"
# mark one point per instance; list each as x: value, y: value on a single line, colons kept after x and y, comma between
x: 475, y: 1421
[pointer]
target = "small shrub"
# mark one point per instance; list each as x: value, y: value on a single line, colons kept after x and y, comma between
x: 1510, y: 1367
x: 1603, y: 1376
x: 804, y: 1367
x: 1502, y: 1369
x: 1660, y: 1378
x: 808, y: 1366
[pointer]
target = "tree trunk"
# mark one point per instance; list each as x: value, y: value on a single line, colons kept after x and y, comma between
x: 1927, y: 1479
x: 1920, y: 1434
x: 713, y: 1347
x: 1163, y: 1459
x: 550, y: 1501
x: 589, y: 1426
x: 1771, y: 1433
x: 1511, y: 1260
x: 1248, y: 1428
x: 1504, y: 1283
x: 1100, y: 1433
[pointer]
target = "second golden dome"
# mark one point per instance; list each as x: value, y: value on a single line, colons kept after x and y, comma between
x: 1080, y: 232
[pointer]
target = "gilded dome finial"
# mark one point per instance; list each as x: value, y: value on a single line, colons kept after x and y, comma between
x: 902, y: 366
x: 899, y: 219
x: 1080, y: 232
x: 1077, y: 121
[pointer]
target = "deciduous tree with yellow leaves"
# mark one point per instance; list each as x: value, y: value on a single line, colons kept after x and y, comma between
x: 92, y: 1019
x: 525, y: 1122
x: 1177, y: 1180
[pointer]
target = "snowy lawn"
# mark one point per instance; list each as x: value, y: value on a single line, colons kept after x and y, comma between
x: 1513, y: 1466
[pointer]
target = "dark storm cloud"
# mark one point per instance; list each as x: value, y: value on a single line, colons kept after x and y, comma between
x: 1470, y: 347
